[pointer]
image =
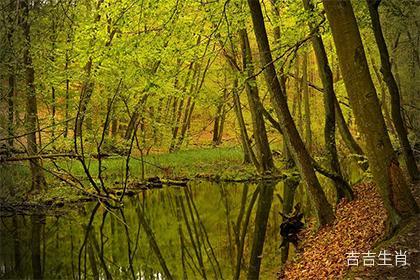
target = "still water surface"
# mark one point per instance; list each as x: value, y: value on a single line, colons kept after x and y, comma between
x: 189, y: 232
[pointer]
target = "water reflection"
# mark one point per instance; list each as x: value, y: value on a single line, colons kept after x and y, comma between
x: 203, y: 231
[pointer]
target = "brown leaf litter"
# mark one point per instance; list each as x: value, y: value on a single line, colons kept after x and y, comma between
x: 358, y: 225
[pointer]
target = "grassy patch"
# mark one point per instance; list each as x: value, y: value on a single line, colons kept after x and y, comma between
x: 225, y: 163
x: 186, y: 163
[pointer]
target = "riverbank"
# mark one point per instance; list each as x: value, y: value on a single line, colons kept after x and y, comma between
x: 224, y: 164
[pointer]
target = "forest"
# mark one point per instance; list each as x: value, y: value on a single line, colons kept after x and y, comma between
x: 209, y: 139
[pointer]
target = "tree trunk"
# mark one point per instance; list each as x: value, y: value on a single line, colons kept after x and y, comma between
x: 178, y: 110
x: 249, y: 155
x: 295, y: 100
x: 88, y: 84
x: 175, y: 128
x: 11, y: 87
x: 387, y: 174
x: 11, y: 106
x: 298, y: 86
x: 53, y: 111
x: 138, y: 110
x: 343, y: 128
x: 67, y: 97
x: 53, y: 95
x: 347, y: 137
x: 289, y: 184
x: 329, y: 97
x: 222, y: 122
x: 85, y: 95
x: 262, y: 145
x: 393, y: 90
x: 217, y: 123
x: 387, y: 116
x: 38, y: 180
x: 308, y: 132
x: 323, y: 210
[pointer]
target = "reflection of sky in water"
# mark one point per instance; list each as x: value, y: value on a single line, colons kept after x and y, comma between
x: 189, y: 226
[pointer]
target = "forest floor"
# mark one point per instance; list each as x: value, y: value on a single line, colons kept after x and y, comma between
x: 359, y: 227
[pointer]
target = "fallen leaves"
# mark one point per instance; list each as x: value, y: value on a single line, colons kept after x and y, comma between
x: 358, y: 225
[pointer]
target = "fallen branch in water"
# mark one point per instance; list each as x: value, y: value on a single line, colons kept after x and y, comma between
x: 43, y: 156
x: 52, y: 156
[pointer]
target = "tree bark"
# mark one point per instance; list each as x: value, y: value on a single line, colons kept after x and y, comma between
x: 325, y: 74
x: 67, y: 97
x: 393, y: 91
x: 11, y: 106
x: 38, y: 180
x: 347, y: 137
x: 88, y: 83
x: 178, y: 111
x: 289, y: 184
x: 53, y: 93
x: 249, y: 156
x: 383, y: 163
x: 306, y: 105
x: 11, y: 87
x: 262, y: 145
x: 387, y: 116
x: 323, y: 210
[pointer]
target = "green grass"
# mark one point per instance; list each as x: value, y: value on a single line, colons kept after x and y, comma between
x: 15, y: 181
x: 225, y: 163
x: 187, y: 163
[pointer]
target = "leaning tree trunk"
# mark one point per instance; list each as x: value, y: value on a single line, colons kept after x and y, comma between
x: 393, y: 90
x: 329, y: 97
x: 322, y: 208
x: 249, y: 156
x: 347, y: 137
x: 306, y: 105
x: 387, y: 174
x: 88, y: 84
x: 387, y: 116
x: 262, y: 145
x: 38, y: 180
x: 289, y: 184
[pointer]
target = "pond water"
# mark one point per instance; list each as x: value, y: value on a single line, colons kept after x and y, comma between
x: 190, y: 232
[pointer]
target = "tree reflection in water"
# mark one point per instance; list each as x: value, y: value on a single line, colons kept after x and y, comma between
x: 203, y: 231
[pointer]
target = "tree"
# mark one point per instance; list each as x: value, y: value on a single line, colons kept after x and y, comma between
x: 364, y: 102
x: 11, y: 81
x: 322, y: 208
x: 289, y: 184
x: 389, y: 79
x: 329, y: 105
x: 263, y: 152
x: 306, y: 105
x: 38, y: 180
